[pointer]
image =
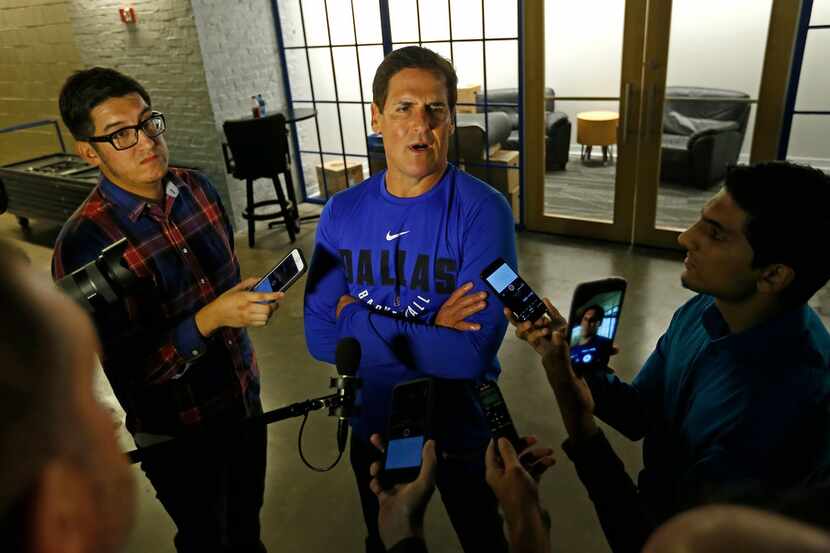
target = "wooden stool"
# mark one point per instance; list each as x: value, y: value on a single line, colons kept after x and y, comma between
x: 596, y: 128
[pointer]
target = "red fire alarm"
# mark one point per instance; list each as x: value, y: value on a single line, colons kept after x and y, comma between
x: 127, y: 15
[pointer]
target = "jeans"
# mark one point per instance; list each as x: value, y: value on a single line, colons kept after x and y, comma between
x: 213, y: 490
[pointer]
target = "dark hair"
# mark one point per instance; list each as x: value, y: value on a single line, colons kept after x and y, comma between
x: 413, y: 57
x: 34, y: 406
x: 787, y: 220
x: 85, y: 89
x: 596, y: 307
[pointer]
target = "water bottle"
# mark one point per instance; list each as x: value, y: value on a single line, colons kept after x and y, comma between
x: 255, y: 107
x: 261, y: 102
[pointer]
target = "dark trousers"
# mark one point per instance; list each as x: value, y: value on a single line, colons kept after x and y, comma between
x: 470, y: 503
x: 213, y: 491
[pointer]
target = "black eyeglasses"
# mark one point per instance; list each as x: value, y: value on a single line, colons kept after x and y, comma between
x: 127, y: 137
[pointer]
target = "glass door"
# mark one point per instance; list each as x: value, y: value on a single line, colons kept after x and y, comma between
x: 704, y: 61
x: 590, y: 114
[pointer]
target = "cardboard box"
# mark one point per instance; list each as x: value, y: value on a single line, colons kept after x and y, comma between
x: 467, y: 95
x: 504, y: 176
x: 338, y: 176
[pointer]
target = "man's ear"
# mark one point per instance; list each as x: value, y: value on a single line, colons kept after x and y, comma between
x: 775, y: 278
x: 88, y: 153
x: 452, y: 121
x: 62, y: 515
x: 376, y: 115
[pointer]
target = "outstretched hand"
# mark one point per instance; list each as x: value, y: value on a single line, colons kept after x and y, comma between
x: 576, y: 402
x: 518, y: 495
x: 402, y: 508
x: 537, y: 333
x: 238, y: 307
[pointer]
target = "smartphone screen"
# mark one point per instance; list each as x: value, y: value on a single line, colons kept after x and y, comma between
x: 513, y: 291
x: 285, y: 273
x: 404, y: 453
x: 593, y: 326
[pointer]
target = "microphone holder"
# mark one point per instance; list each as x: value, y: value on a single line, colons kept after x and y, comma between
x: 336, y: 404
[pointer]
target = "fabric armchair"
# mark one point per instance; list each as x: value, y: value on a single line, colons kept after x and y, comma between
x: 701, y: 138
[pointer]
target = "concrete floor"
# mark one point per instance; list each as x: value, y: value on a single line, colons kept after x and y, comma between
x: 308, y: 511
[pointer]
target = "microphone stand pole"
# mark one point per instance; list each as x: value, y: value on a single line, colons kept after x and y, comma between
x: 299, y: 409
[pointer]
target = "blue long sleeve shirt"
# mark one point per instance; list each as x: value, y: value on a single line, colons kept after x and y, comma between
x: 723, y: 413
x: 401, y: 258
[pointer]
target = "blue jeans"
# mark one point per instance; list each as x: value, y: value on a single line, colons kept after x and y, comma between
x: 470, y: 503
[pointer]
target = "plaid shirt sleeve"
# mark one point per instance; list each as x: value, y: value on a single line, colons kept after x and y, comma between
x: 150, y: 354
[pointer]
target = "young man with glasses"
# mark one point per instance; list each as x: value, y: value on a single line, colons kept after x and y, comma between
x: 175, y: 349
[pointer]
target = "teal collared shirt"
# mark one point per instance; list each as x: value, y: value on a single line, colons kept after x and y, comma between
x: 721, y: 412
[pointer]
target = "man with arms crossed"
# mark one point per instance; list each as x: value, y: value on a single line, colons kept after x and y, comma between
x: 736, y: 395
x: 395, y: 265
x: 175, y: 350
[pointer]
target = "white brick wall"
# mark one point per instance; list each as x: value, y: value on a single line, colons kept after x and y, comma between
x: 239, y: 51
x: 162, y: 52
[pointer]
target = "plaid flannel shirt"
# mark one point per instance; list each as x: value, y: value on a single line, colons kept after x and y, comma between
x: 163, y: 372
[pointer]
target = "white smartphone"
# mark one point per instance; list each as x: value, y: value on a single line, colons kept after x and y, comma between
x: 284, y: 274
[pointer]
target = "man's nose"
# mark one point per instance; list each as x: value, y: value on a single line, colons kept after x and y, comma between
x: 421, y: 119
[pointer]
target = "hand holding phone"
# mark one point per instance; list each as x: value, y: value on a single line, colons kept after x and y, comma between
x: 285, y: 273
x: 402, y: 507
x: 513, y: 291
x: 410, y: 422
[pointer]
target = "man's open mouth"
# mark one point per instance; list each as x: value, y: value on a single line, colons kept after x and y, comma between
x: 419, y: 147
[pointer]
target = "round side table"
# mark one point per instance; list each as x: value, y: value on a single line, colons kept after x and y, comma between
x: 596, y: 128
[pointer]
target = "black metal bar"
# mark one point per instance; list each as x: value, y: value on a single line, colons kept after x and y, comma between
x: 435, y: 41
x: 313, y: 99
x: 385, y: 26
x: 484, y: 81
x: 811, y: 112
x: 795, y: 77
x: 345, y: 45
x: 521, y: 111
x: 418, y: 20
x: 336, y: 98
x: 359, y: 84
x: 286, y: 84
x: 332, y: 153
x: 811, y: 27
x: 452, y: 60
x: 38, y: 123
x: 491, y: 104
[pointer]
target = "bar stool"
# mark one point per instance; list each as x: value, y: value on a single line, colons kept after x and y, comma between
x: 259, y: 149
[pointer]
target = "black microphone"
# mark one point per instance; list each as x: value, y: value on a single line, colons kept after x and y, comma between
x: 347, y: 359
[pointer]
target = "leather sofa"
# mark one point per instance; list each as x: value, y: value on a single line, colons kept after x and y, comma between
x: 557, y: 124
x: 701, y: 138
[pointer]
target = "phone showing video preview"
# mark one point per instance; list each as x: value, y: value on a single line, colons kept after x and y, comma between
x: 594, y: 328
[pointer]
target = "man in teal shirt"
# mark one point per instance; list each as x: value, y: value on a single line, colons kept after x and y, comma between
x: 736, y: 395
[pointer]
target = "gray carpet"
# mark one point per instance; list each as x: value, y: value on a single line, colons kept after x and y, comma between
x: 586, y: 190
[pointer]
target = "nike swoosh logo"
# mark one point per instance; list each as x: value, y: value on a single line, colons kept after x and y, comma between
x: 390, y: 236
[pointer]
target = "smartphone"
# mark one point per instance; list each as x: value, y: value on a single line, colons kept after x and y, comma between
x: 410, y: 421
x: 593, y: 321
x: 497, y: 415
x: 513, y: 291
x: 284, y: 274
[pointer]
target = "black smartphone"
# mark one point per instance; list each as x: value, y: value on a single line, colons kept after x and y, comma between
x: 593, y: 321
x: 284, y: 274
x: 497, y: 415
x: 513, y: 291
x: 410, y: 421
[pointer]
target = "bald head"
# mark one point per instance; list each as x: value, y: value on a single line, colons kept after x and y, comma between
x: 730, y: 528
